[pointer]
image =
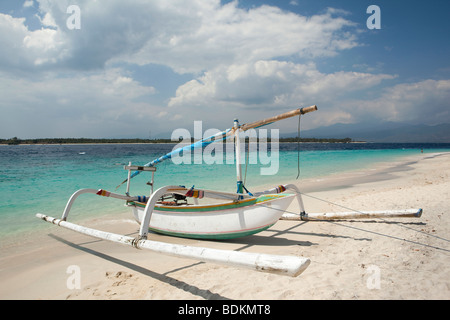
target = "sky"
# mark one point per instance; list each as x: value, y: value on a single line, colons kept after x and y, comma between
x: 143, y: 68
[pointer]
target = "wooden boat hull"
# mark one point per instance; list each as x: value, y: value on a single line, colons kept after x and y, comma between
x: 218, y: 221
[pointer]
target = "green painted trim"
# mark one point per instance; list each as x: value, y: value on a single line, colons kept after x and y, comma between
x: 218, y: 207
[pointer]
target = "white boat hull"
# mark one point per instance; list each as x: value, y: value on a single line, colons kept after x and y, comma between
x: 218, y: 221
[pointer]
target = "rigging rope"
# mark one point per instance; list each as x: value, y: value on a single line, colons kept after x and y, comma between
x: 298, y: 147
x: 369, y: 231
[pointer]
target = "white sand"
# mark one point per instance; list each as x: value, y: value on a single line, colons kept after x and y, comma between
x: 398, y: 258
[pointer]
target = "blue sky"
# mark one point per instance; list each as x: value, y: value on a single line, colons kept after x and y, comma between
x: 145, y: 68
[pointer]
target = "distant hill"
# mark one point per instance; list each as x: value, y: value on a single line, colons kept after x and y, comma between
x: 384, y: 132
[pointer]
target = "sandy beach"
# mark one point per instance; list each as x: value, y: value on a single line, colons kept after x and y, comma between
x: 399, y: 258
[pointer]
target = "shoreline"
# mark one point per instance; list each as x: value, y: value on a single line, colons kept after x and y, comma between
x: 374, y: 172
x: 341, y: 253
x: 169, y: 141
x: 177, y: 142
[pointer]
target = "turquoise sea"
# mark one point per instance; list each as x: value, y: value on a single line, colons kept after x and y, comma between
x: 41, y: 178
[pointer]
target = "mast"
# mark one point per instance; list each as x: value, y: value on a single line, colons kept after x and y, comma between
x: 237, y: 128
x: 237, y: 144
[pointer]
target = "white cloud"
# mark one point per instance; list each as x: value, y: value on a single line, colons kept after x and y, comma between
x: 421, y: 102
x: 188, y: 36
x: 241, y: 60
x: 271, y: 84
x: 272, y: 87
x: 47, y: 20
x: 197, y: 36
x: 90, y: 104
x: 13, y: 31
x: 24, y: 49
x: 224, y: 35
x: 28, y: 3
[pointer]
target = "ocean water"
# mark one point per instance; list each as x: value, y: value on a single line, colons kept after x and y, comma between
x: 41, y: 178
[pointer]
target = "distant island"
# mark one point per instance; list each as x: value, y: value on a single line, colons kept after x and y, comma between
x: 17, y: 141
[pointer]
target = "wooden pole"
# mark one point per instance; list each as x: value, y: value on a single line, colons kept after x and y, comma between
x: 283, y: 265
x: 279, y: 117
x: 410, y: 213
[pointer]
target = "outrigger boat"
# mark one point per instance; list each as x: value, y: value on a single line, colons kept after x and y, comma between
x: 168, y: 211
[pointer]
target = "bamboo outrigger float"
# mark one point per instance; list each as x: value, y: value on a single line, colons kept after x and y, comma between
x: 238, y: 214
